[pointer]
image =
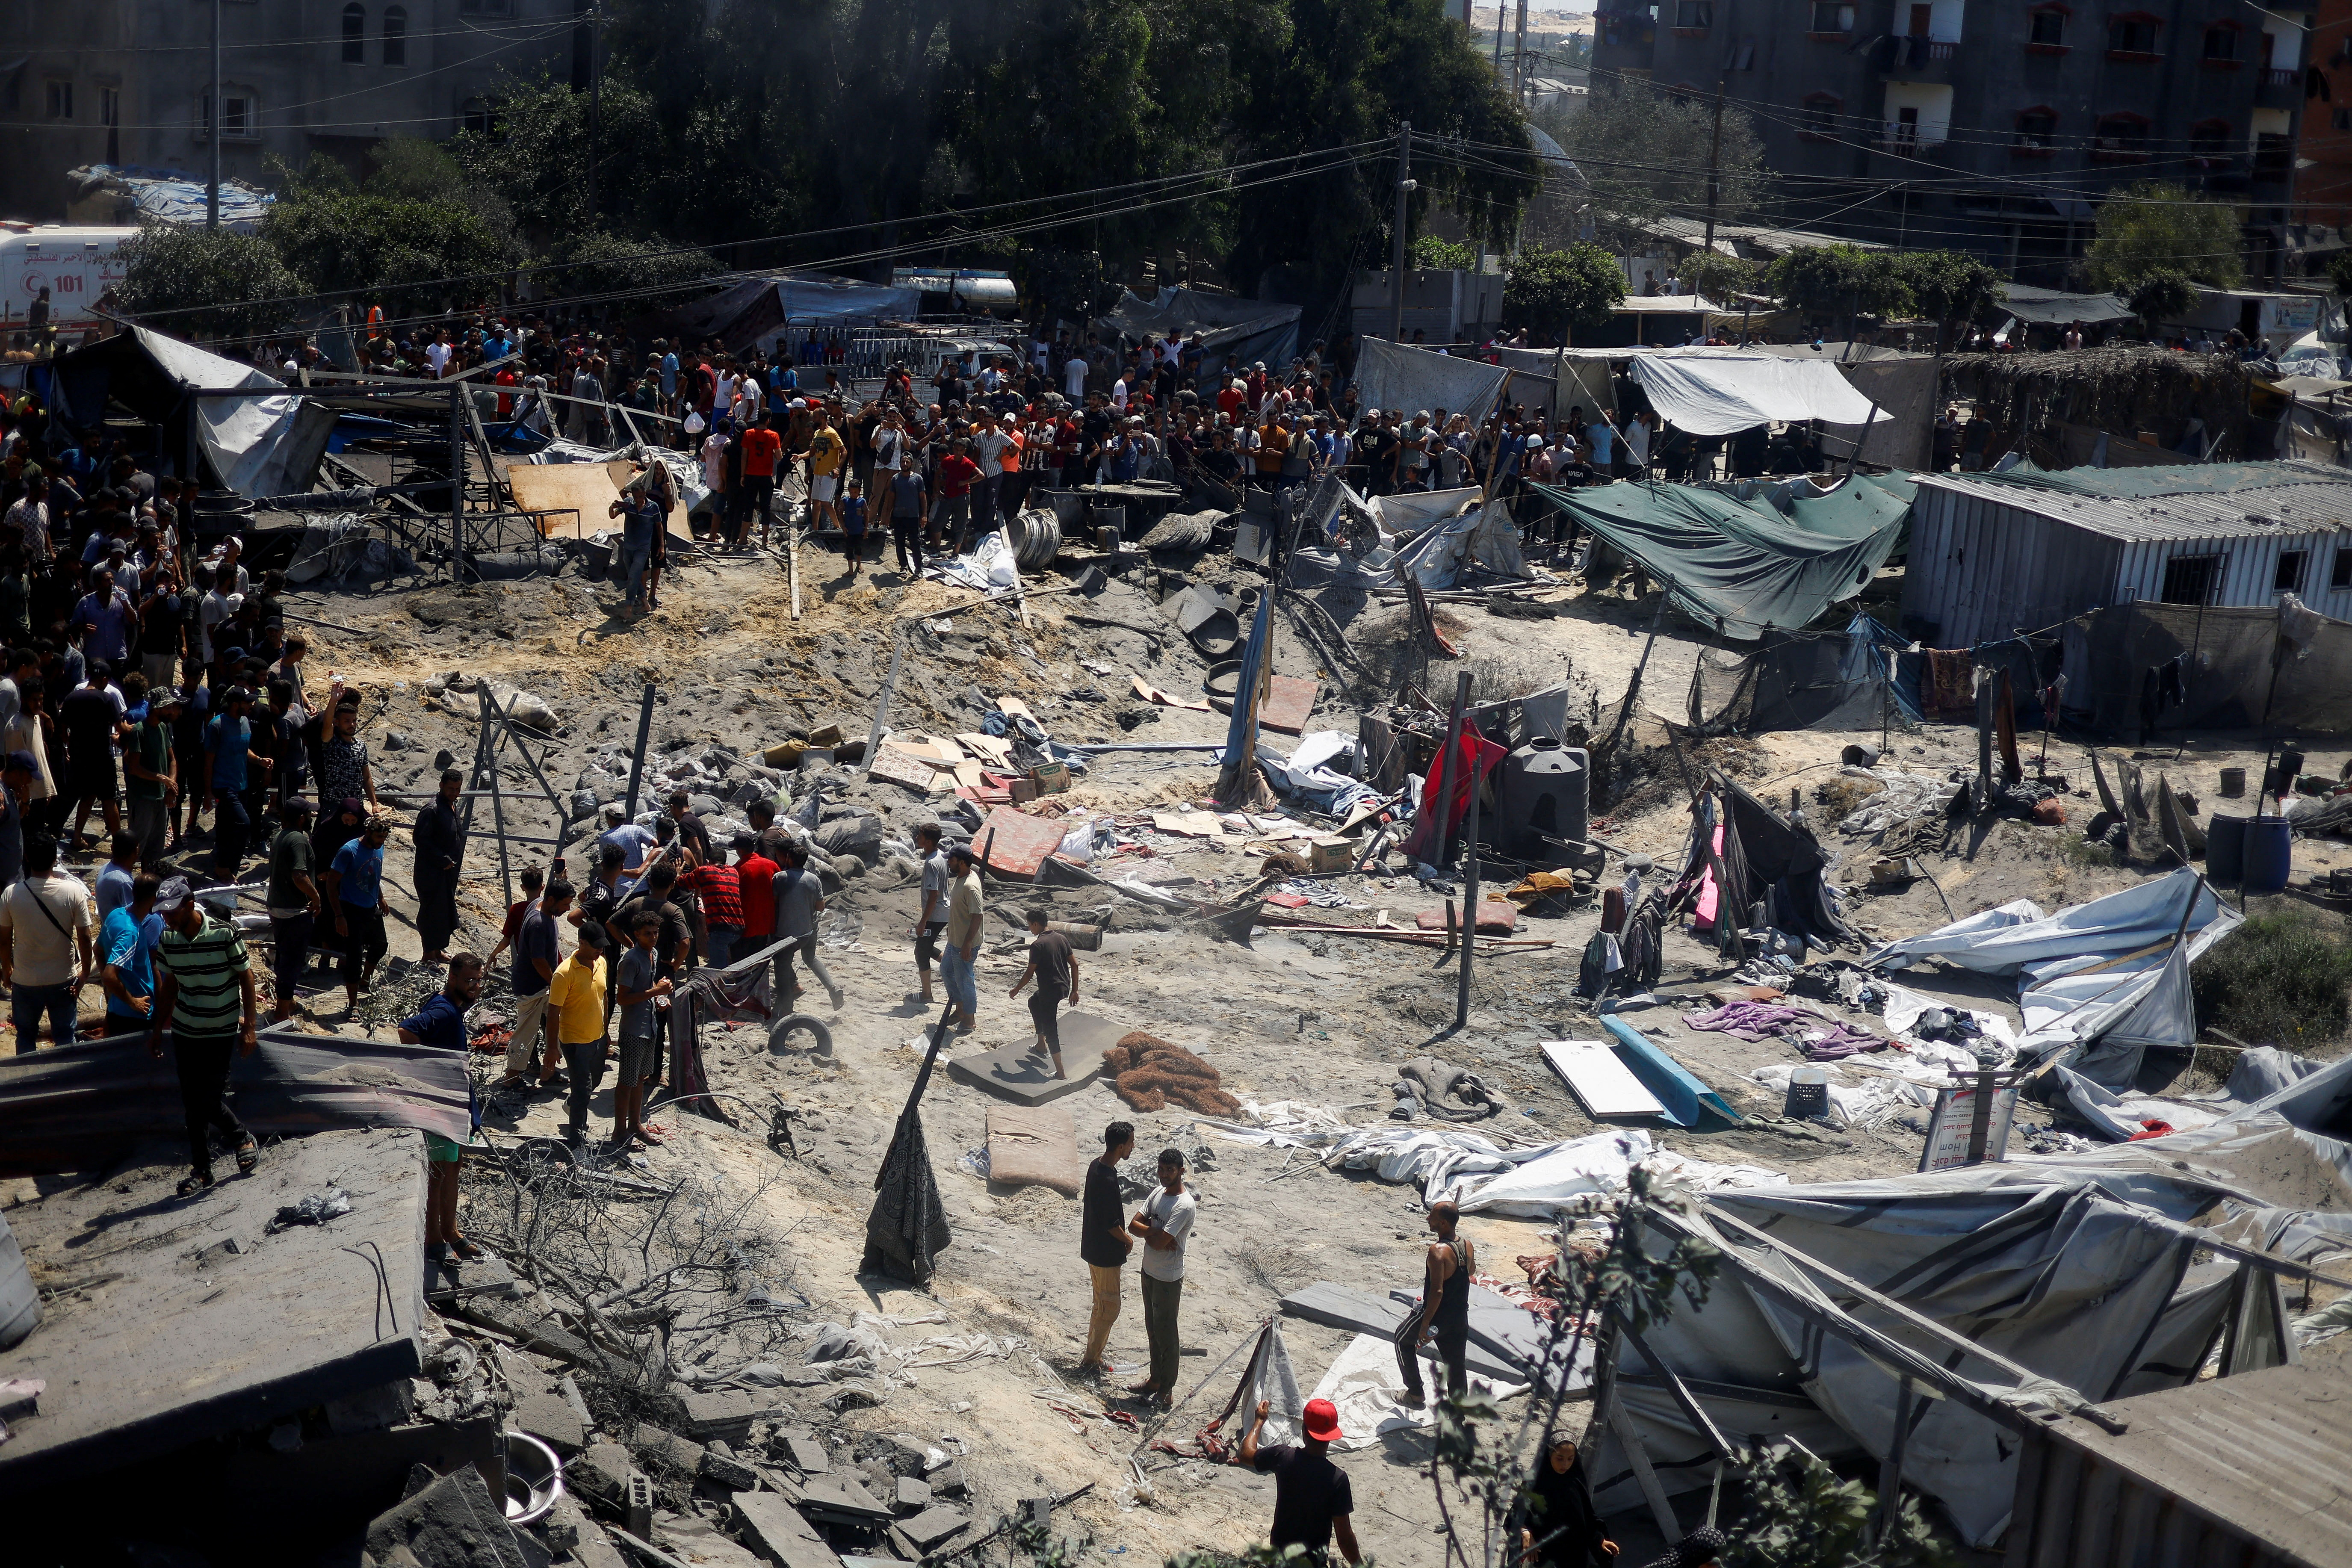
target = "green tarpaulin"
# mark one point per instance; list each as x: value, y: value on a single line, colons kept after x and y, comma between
x: 1743, y: 567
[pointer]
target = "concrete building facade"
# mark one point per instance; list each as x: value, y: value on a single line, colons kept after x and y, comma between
x: 110, y: 82
x: 1989, y: 127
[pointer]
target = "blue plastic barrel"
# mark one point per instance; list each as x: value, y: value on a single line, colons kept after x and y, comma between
x: 2225, y: 850
x: 2270, y: 855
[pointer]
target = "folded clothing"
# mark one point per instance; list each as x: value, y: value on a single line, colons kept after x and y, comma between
x: 1748, y: 1020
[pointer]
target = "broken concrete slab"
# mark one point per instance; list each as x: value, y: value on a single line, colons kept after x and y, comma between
x: 668, y: 1450
x: 841, y: 1498
x: 730, y: 1414
x: 530, y: 1320
x: 584, y: 1540
x: 947, y: 1479
x: 546, y: 1415
x: 453, y: 1524
x: 164, y: 1354
x: 804, y: 1452
x: 602, y: 1474
x: 774, y: 1529
x: 914, y: 1495
x: 726, y: 1470
x: 929, y: 1529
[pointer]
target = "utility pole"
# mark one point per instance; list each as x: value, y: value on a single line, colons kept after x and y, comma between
x: 211, y: 191
x: 1519, y: 56
x: 1713, y: 168
x: 1396, y: 247
x: 1502, y: 14
x: 596, y: 101
x: 1469, y: 849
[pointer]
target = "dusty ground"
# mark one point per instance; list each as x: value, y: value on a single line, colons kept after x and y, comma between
x: 1324, y: 1020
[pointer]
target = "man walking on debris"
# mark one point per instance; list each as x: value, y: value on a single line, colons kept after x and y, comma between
x: 441, y: 1022
x: 1312, y: 1498
x: 638, y: 982
x: 206, y: 993
x: 293, y: 904
x: 575, y: 997
x: 965, y: 920
x: 355, y: 889
x: 1165, y: 1224
x: 440, y: 852
x: 1445, y: 1314
x: 1054, y: 967
x: 43, y: 920
x: 1103, y: 1242
x: 931, y: 920
x: 799, y: 899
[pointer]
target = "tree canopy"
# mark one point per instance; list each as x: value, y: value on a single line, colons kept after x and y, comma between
x: 1644, y: 155
x: 1553, y: 291
x: 215, y: 282
x: 2152, y: 225
x: 1948, y: 287
x: 1840, y: 281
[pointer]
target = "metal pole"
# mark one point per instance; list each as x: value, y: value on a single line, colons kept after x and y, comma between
x: 1714, y: 170
x: 1396, y: 246
x: 1890, y: 1472
x: 211, y: 191
x: 595, y: 102
x: 1469, y: 732
x: 457, y: 488
x: 637, y: 757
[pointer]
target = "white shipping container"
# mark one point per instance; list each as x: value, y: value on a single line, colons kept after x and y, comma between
x: 76, y: 266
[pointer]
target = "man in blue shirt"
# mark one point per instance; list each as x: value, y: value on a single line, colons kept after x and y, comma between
x: 354, y: 890
x: 441, y: 1022
x: 127, y: 944
x: 116, y: 877
x: 643, y: 517
x: 1602, y: 436
x: 668, y: 376
x: 229, y: 758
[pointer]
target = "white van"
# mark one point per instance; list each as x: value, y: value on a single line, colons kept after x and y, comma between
x: 75, y: 265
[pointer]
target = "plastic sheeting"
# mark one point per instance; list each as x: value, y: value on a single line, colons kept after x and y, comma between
x: 1742, y: 565
x: 2099, y: 982
x: 1423, y: 381
x: 2228, y: 683
x: 263, y: 446
x: 1802, y: 681
x: 174, y: 195
x: 1718, y: 393
x: 1251, y: 331
x: 1484, y: 536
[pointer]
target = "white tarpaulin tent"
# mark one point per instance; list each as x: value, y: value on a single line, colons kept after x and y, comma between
x: 254, y: 443
x: 1423, y: 381
x: 1716, y: 392
x: 2105, y: 975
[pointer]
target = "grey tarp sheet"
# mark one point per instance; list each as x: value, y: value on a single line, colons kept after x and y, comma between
x: 2050, y: 308
x: 80, y: 1106
x: 1717, y: 392
x: 1360, y: 1311
x: 1423, y: 381
x: 2097, y: 982
x: 2078, y: 1268
x: 1902, y: 385
x: 260, y: 446
x: 1743, y: 565
x: 1250, y: 329
x: 2228, y: 684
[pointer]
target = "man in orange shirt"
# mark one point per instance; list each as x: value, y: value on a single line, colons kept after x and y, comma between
x: 762, y: 445
x: 1272, y: 446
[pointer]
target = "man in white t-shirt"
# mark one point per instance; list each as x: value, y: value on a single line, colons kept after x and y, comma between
x: 438, y: 353
x: 43, y: 920
x: 1165, y: 1224
x: 1074, y: 378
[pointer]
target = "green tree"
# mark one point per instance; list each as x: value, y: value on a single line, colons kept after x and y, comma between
x: 1431, y: 254
x: 411, y: 255
x: 602, y: 263
x: 1840, y: 282
x: 1800, y: 1515
x: 1949, y: 288
x: 1717, y: 278
x: 1554, y: 292
x: 2153, y: 224
x: 195, y: 282
x: 1643, y: 153
x: 2339, y: 272
x: 2161, y: 294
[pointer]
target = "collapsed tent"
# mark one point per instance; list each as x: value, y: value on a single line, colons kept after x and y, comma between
x: 2030, y: 1287
x: 1719, y: 392
x: 1483, y: 536
x: 755, y: 313
x: 1804, y: 681
x: 1251, y: 330
x: 1746, y: 567
x: 256, y: 446
x: 2099, y: 981
x: 1423, y: 381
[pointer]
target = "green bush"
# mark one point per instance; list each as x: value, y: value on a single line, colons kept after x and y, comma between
x: 2279, y: 979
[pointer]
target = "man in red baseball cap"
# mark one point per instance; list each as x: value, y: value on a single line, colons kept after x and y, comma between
x: 1312, y: 1498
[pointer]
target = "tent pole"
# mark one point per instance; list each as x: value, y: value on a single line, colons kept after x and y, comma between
x: 1469, y: 854
x: 1890, y: 1474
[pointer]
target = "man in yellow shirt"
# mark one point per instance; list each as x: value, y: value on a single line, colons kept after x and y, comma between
x: 576, y: 1005
x: 825, y: 454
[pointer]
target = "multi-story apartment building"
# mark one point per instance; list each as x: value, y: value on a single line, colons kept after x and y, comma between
x: 2323, y: 181
x: 90, y: 81
x: 1992, y: 126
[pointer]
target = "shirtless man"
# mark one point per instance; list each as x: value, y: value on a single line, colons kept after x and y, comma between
x: 1443, y: 1319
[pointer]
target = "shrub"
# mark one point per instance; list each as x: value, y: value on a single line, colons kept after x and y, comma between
x: 2281, y: 979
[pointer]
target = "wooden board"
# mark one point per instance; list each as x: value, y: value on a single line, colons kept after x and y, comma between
x: 899, y: 768
x: 1495, y: 918
x: 1289, y: 700
x: 587, y: 487
x: 1017, y: 843
x: 1602, y: 1084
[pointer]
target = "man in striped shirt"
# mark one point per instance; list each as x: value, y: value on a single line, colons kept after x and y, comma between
x: 205, y: 991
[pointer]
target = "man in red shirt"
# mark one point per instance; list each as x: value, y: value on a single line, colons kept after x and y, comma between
x: 763, y: 444
x: 720, y: 887
x: 1230, y: 399
x: 957, y: 473
x: 755, y: 875
x: 505, y: 378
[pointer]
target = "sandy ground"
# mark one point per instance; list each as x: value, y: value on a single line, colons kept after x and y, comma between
x: 1284, y: 1016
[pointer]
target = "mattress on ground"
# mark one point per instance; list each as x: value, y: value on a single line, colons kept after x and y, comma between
x: 1034, y: 1145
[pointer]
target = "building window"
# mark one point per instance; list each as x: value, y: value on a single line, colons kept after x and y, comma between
x: 476, y: 115
x: 1831, y: 18
x: 2339, y: 575
x: 1821, y: 121
x: 2274, y: 156
x: 60, y: 99
x: 1695, y: 16
x: 2121, y: 139
x: 485, y: 8
x: 2288, y: 577
x: 2037, y: 131
x: 2190, y: 579
x: 2132, y: 35
x: 2049, y: 28
x: 2221, y: 44
x: 110, y: 106
x: 395, y: 36
x: 240, y: 114
x: 354, y: 35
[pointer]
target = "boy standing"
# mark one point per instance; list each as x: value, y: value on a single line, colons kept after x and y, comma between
x: 639, y: 985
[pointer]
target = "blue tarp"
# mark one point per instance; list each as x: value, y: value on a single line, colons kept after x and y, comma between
x: 1688, y: 1102
x: 174, y: 196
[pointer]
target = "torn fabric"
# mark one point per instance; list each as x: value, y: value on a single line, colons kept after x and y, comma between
x: 1719, y: 393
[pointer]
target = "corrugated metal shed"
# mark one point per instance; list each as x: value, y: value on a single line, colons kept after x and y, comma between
x: 2252, y: 1469
x: 1990, y: 556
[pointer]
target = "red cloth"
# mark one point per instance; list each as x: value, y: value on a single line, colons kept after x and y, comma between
x: 1427, y: 832
x: 754, y: 876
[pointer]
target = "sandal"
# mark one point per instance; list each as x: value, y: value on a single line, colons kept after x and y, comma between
x: 465, y: 1249
x: 248, y: 1156
x: 194, y: 1182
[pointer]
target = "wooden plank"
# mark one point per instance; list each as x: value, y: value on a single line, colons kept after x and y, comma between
x: 584, y: 488
x: 1289, y: 699
x: 897, y: 767
x: 1018, y: 843
x: 1602, y: 1084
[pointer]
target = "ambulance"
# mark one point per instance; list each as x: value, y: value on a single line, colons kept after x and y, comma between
x: 77, y: 265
